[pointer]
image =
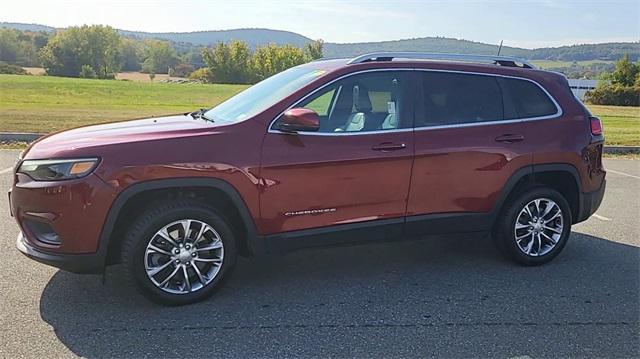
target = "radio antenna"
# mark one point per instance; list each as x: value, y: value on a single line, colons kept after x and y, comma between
x: 500, y: 48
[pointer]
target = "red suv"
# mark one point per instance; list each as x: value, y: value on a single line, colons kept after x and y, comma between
x: 386, y: 146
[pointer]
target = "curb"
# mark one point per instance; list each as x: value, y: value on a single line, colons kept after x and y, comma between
x: 19, y: 136
x: 621, y: 149
x: 30, y: 137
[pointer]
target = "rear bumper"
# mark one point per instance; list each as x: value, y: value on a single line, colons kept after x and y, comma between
x: 589, y: 202
x: 76, y: 263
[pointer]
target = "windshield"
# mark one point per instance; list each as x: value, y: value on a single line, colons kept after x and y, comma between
x: 262, y: 95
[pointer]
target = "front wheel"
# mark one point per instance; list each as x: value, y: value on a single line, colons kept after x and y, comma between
x: 179, y: 252
x: 534, y: 227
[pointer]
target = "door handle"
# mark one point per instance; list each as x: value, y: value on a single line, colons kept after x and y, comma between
x: 389, y: 146
x: 510, y: 138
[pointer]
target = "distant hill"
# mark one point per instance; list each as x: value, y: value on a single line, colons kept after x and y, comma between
x: 427, y: 44
x: 254, y: 37
x: 603, y: 51
x: 26, y: 27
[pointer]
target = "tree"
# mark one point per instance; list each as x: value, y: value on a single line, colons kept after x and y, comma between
x: 620, y: 87
x: 271, y: 59
x: 202, y: 74
x: 9, y: 45
x: 28, y: 54
x: 625, y: 72
x: 87, y: 72
x: 96, y: 46
x: 234, y: 63
x: 181, y: 70
x: 314, y: 49
x: 228, y: 63
x: 158, y: 56
x: 129, y: 55
x: 21, y: 48
x: 11, y: 69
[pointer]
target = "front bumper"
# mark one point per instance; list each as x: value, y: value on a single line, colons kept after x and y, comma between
x: 63, y: 217
x: 589, y: 202
x: 77, y: 263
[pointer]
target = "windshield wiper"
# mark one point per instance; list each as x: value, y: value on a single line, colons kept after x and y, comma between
x: 199, y: 115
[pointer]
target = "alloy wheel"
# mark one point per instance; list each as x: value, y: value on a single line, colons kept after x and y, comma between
x: 184, y: 256
x: 539, y: 227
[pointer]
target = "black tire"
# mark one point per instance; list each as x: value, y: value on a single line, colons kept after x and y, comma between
x: 143, y: 229
x: 505, y: 238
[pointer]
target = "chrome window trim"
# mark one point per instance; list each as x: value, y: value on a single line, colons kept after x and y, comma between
x: 558, y: 114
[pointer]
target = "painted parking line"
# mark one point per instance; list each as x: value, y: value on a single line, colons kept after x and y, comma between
x: 623, y: 174
x: 6, y: 170
x: 602, y: 218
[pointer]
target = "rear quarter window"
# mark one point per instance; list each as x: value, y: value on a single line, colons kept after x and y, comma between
x: 525, y: 99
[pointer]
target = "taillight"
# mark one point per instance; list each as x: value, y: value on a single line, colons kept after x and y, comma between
x: 596, y: 126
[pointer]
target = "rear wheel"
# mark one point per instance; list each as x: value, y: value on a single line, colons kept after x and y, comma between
x: 179, y: 252
x: 534, y: 227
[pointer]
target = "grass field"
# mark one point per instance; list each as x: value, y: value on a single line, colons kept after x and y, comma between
x: 621, y: 124
x: 45, y: 104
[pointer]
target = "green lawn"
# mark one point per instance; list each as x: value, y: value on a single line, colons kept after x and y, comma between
x: 44, y: 104
x: 621, y: 124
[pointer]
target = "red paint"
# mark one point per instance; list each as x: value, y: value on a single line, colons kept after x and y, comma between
x: 437, y: 171
x: 300, y: 119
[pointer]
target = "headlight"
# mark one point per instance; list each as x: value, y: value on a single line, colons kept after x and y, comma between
x: 58, y: 170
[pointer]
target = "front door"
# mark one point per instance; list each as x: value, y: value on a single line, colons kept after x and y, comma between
x: 354, y: 171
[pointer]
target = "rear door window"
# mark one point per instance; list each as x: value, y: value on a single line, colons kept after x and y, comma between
x: 457, y: 98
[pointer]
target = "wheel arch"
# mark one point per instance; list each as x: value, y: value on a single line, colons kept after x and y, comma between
x: 562, y: 177
x: 126, y: 203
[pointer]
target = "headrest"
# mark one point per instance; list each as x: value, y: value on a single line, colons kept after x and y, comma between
x: 361, y: 98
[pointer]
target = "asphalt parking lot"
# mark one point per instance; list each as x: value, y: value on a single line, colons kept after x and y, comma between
x: 435, y: 298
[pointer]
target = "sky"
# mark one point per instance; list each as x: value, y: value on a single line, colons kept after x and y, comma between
x: 529, y: 24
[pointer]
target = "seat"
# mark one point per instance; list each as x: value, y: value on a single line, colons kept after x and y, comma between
x: 363, y: 107
x: 391, y: 121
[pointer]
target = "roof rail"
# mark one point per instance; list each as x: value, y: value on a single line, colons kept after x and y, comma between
x: 496, y: 60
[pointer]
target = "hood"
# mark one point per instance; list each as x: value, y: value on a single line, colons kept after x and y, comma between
x: 62, y: 143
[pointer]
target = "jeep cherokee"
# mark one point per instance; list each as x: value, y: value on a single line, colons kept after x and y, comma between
x: 385, y: 146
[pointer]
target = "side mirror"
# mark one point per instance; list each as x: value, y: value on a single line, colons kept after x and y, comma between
x: 300, y: 119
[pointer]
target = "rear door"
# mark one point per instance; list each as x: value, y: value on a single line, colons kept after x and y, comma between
x: 355, y: 170
x: 467, y: 145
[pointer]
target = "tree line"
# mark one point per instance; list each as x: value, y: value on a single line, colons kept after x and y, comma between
x: 87, y: 51
x: 234, y: 63
x: 98, y: 51
x: 621, y: 87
